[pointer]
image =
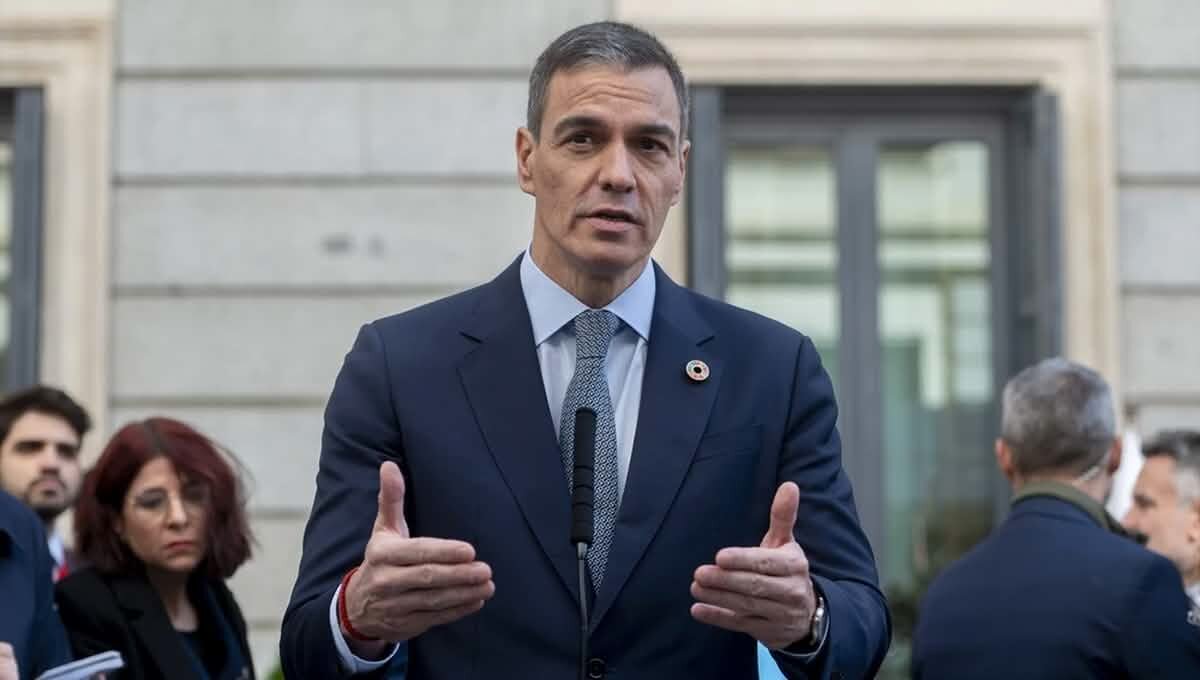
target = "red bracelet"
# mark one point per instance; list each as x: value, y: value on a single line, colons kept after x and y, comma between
x: 343, y: 617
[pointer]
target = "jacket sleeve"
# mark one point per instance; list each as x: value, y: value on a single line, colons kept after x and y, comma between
x: 1161, y: 638
x: 361, y: 431
x: 827, y: 528
x: 86, y: 630
x: 48, y: 644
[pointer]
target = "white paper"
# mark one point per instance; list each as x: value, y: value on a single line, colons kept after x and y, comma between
x: 86, y: 668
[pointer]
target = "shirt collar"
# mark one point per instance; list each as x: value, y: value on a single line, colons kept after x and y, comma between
x: 551, y: 307
x: 1193, y: 592
x: 57, y: 550
x: 1070, y: 494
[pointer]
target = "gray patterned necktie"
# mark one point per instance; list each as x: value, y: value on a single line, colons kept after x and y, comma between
x: 594, y: 331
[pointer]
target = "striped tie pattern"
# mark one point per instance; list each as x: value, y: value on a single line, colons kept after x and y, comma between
x: 594, y: 331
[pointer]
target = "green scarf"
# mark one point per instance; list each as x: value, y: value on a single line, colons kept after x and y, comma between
x: 1068, y: 493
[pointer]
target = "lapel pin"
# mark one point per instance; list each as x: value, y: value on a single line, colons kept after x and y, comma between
x: 696, y: 370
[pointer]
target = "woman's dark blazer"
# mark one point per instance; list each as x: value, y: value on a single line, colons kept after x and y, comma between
x: 122, y: 612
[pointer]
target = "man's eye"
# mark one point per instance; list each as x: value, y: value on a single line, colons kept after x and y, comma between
x: 653, y: 145
x: 579, y: 139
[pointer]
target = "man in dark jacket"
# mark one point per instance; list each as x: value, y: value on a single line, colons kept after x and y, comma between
x: 28, y: 624
x: 1058, y: 591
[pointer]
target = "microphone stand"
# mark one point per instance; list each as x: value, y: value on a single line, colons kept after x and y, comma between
x: 583, y: 516
x: 581, y: 550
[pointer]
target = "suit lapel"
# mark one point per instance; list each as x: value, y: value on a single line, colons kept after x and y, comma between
x: 150, y: 624
x: 503, y: 382
x: 672, y: 417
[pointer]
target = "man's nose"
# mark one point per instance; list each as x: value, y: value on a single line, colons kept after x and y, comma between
x: 616, y: 174
x: 48, y: 460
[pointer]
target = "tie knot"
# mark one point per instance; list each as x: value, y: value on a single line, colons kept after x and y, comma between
x: 594, y: 330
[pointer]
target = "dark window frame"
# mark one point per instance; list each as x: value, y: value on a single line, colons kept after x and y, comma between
x: 22, y: 113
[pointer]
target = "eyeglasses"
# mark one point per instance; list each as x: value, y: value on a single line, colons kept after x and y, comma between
x: 195, y: 498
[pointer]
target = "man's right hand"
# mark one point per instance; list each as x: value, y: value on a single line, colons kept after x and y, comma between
x: 405, y: 585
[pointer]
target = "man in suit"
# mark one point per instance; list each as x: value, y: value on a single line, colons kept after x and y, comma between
x: 715, y: 431
x: 41, y: 432
x: 1058, y: 591
x: 31, y: 636
x: 1166, y: 504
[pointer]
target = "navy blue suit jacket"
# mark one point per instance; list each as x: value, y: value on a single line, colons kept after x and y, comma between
x: 1052, y: 594
x: 28, y: 621
x: 453, y: 392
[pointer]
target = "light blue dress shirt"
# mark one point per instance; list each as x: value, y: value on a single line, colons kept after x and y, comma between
x: 551, y: 312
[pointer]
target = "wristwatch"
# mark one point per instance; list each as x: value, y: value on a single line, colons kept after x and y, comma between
x: 820, y: 622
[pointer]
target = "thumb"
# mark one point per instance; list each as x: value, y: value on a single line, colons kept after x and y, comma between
x: 783, y: 516
x: 391, y: 500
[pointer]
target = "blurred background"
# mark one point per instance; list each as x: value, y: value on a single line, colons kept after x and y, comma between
x: 200, y: 202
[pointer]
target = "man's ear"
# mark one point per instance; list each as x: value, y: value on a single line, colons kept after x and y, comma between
x: 1114, y: 457
x: 1193, y: 525
x: 525, y: 145
x: 684, y: 150
x: 1004, y: 461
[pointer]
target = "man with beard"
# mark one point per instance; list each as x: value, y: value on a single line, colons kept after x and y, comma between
x: 41, y: 430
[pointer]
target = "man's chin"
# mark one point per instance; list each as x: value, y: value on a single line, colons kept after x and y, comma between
x: 48, y: 511
x: 613, y: 259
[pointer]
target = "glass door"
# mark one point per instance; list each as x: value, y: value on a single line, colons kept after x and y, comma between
x: 781, y: 254
x: 880, y: 226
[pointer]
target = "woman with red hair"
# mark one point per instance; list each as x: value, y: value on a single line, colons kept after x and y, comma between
x: 162, y: 524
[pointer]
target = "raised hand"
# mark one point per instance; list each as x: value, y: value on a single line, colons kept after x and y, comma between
x: 408, y: 585
x: 765, y: 592
x: 8, y: 662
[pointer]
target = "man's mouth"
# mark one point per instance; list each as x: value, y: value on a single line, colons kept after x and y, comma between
x: 41, y: 481
x: 614, y: 215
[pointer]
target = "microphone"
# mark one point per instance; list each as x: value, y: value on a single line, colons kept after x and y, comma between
x: 583, y: 500
x: 583, y: 480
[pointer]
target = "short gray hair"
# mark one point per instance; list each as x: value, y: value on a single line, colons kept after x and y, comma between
x: 1183, y: 447
x: 1058, y: 418
x: 604, y: 43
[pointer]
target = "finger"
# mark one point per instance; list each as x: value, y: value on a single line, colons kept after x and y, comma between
x: 396, y: 580
x: 729, y: 620
x: 742, y: 604
x: 789, y: 591
x: 428, y: 620
x: 783, y: 516
x: 419, y: 602
x: 416, y: 551
x: 391, y: 500
x: 6, y: 650
x: 787, y: 561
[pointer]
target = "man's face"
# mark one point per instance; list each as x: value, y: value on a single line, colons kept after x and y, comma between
x: 1172, y: 528
x: 607, y: 168
x: 39, y: 463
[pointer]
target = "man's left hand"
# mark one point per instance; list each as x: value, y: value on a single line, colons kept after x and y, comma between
x: 765, y: 592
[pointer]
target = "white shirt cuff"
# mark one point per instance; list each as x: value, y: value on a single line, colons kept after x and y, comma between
x: 351, y: 663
